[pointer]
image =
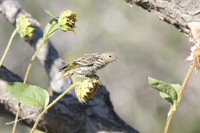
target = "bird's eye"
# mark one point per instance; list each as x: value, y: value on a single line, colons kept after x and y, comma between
x: 109, y: 56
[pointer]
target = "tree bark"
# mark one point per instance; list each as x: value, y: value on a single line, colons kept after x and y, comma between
x: 67, y: 115
x: 175, y: 12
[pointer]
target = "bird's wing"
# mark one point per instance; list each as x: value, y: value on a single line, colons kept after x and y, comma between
x: 69, y: 66
x: 86, y: 60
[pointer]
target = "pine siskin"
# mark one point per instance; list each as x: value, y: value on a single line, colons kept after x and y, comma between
x: 88, y: 65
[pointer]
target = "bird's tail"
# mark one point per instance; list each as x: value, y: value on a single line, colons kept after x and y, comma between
x: 64, y: 75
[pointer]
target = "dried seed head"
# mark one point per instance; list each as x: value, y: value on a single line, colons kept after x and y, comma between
x: 87, y: 89
x: 194, y: 31
x: 24, y: 27
x: 195, y: 56
x: 67, y: 20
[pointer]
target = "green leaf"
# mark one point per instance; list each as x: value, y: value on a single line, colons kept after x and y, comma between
x: 163, y: 87
x: 27, y: 94
x: 166, y: 97
x: 177, y: 87
x: 50, y: 13
x: 53, y: 30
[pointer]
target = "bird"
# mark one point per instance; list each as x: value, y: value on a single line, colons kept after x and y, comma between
x: 88, y: 65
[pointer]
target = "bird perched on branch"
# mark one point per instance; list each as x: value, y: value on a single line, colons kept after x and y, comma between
x: 88, y: 65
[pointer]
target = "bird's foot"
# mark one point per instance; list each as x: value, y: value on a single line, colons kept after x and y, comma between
x: 94, y: 76
x: 90, y: 78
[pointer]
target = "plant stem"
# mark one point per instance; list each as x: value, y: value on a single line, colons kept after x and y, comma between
x: 169, y: 117
x: 8, y: 46
x: 3, y: 57
x: 16, y: 117
x: 29, y: 67
x: 185, y: 82
x: 33, y: 57
x: 170, y: 114
x: 173, y: 108
x: 58, y: 98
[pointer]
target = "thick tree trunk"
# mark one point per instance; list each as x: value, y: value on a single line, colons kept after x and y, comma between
x: 67, y: 115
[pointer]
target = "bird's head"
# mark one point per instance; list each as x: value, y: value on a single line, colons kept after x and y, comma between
x: 109, y: 57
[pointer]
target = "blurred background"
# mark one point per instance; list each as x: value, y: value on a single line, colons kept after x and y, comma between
x: 144, y: 45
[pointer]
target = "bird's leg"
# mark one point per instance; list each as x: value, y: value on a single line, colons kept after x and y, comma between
x: 88, y: 78
x: 95, y: 76
x: 85, y: 77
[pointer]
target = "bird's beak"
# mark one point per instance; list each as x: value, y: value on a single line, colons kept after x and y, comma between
x: 116, y: 59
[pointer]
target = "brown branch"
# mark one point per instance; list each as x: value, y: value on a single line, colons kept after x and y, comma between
x: 67, y: 115
x: 175, y: 12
